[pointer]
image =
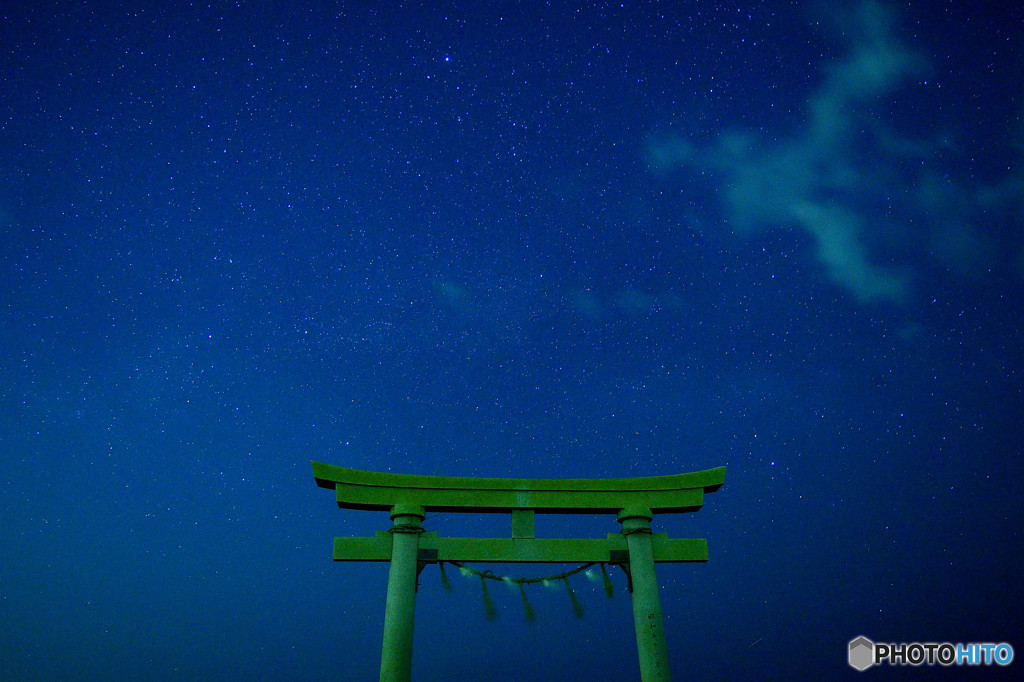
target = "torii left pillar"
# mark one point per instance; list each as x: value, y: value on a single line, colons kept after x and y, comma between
x: 399, y: 614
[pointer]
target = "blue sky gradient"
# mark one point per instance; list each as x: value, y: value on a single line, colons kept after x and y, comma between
x: 537, y: 240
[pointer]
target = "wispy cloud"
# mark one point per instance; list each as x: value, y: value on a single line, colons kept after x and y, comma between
x: 829, y: 179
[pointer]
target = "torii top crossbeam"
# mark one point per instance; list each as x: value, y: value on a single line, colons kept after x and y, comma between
x: 380, y: 491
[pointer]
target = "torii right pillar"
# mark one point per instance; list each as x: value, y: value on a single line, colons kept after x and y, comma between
x: 650, y: 629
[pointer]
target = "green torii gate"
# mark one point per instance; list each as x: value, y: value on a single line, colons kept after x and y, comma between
x: 409, y: 548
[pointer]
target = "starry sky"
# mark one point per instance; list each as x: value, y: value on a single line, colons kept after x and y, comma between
x: 566, y: 239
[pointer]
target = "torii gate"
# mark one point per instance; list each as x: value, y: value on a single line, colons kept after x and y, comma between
x: 409, y: 548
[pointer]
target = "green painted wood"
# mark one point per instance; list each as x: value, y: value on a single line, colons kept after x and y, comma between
x: 399, y: 611
x: 522, y: 523
x: 377, y: 548
x: 522, y: 550
x: 378, y: 491
x: 647, y: 618
x: 410, y: 497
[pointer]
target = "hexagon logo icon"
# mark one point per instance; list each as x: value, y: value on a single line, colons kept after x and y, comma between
x: 862, y: 653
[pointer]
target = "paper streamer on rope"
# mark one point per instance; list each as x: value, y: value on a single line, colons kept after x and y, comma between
x: 448, y: 583
x: 531, y: 615
x: 492, y: 613
x: 577, y: 607
x: 607, y: 582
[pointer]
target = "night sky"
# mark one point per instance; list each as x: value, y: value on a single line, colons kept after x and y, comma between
x: 515, y: 240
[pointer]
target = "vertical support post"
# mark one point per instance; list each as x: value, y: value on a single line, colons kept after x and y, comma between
x: 647, y: 621
x: 522, y: 523
x: 396, y: 651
